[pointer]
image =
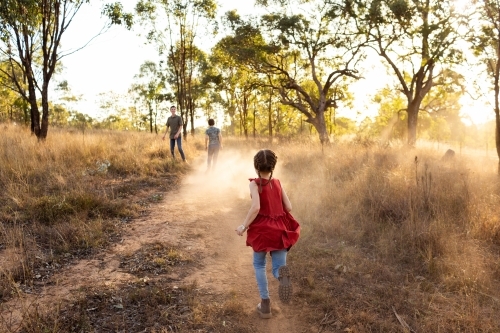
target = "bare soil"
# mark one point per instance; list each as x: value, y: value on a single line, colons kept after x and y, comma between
x: 191, y: 228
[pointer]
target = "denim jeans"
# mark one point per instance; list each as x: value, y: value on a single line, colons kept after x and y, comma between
x: 213, y: 152
x: 179, y: 147
x: 259, y: 263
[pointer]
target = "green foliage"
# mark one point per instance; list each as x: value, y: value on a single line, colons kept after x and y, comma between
x: 390, y: 122
x: 150, y: 92
x: 344, y: 126
x: 80, y: 120
x: 439, y: 130
x: 400, y: 9
x: 441, y: 120
x: 114, y: 11
x: 12, y: 106
x: 59, y: 115
x: 306, y: 61
x: 375, y: 12
x: 173, y: 28
x: 418, y: 40
x: 31, y: 33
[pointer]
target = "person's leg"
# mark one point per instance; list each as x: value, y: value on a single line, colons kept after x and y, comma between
x: 279, y: 259
x: 179, y: 146
x: 172, y: 146
x: 210, y: 155
x: 259, y: 264
x: 282, y: 273
x: 216, y: 153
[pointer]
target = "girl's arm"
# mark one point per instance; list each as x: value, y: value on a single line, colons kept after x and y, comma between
x: 286, y: 202
x: 253, y: 211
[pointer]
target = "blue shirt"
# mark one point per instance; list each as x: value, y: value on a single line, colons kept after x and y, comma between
x: 213, y: 135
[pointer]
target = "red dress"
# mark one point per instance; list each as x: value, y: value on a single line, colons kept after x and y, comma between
x: 273, y: 228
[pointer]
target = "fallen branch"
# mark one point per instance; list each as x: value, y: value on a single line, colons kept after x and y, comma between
x: 403, y: 323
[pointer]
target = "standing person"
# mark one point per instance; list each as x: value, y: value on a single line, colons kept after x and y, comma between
x: 271, y: 228
x: 213, y: 142
x: 174, y: 122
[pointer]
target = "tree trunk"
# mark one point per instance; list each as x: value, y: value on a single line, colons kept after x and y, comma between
x: 232, y: 125
x: 320, y: 126
x: 156, y: 117
x: 191, y: 114
x: 497, y: 101
x: 270, y: 111
x: 150, y: 118
x: 245, y: 114
x: 412, y: 123
x: 497, y: 126
x: 34, y: 111
x: 254, y: 114
x: 26, y: 113
x: 45, y: 112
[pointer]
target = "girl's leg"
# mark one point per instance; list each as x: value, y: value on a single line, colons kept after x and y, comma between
x: 259, y: 264
x: 279, y: 259
x: 282, y: 273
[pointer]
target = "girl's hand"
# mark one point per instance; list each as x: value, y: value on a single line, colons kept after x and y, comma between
x: 240, y: 230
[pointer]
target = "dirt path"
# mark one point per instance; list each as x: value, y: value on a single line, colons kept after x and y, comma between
x: 200, y: 217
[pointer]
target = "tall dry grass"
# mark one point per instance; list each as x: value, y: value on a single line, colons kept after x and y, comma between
x: 69, y: 195
x: 393, y: 240
x: 392, y: 230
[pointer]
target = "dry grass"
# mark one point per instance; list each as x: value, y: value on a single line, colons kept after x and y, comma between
x: 383, y: 228
x: 387, y: 240
x: 156, y: 259
x: 138, y: 307
x: 141, y: 306
x: 68, y: 196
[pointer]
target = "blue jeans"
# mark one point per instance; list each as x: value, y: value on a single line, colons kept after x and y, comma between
x: 179, y: 147
x: 259, y: 264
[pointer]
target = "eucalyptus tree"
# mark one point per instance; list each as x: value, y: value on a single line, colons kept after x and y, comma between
x: 440, y: 104
x: 235, y: 85
x: 189, y: 82
x: 223, y: 73
x: 245, y: 97
x: 150, y: 91
x: 299, y: 42
x: 486, y: 44
x: 30, y: 40
x: 417, y: 39
x: 174, y: 27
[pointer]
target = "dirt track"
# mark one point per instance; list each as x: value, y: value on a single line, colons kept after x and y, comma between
x: 200, y: 217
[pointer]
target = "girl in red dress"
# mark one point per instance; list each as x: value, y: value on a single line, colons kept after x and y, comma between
x: 271, y: 228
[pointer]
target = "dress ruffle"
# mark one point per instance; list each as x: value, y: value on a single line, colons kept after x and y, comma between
x: 273, y: 228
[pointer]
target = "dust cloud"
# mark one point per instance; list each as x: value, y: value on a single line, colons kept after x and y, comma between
x: 228, y: 179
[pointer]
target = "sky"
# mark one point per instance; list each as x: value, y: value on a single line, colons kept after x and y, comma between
x: 110, y: 61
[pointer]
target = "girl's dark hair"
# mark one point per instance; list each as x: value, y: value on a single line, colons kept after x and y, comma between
x: 265, y: 161
x: 211, y: 122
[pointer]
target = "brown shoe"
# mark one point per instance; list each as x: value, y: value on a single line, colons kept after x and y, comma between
x: 285, y: 288
x: 264, y: 308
